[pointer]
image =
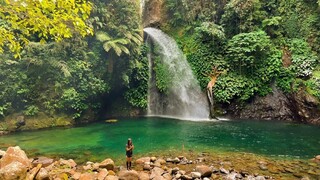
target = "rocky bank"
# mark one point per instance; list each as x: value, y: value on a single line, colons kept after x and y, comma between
x: 15, y: 165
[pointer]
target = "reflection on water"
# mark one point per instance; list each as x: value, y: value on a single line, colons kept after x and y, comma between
x: 151, y: 135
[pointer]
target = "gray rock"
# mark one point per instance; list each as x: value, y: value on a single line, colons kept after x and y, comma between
x: 42, y: 160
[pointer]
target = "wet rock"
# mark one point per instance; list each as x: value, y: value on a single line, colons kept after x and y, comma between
x: 42, y: 160
x: 15, y: 154
x: 87, y: 176
x: 195, y: 175
x: 182, y: 172
x: 169, y: 160
x: 153, y: 159
x: 275, y: 105
x: 102, y: 174
x: 107, y: 163
x: 224, y: 171
x: 42, y: 174
x: 128, y: 175
x: 143, y: 176
x: 204, y: 170
x: 156, y: 172
x: 112, y: 177
x: 15, y: 170
x: 143, y: 160
x: 167, y: 176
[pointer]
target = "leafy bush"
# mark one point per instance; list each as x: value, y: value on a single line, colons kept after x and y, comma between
x: 303, y: 59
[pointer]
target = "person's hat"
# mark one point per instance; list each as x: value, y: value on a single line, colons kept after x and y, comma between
x: 129, y: 139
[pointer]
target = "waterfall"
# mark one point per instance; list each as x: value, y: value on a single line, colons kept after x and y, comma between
x: 142, y: 4
x: 184, y: 99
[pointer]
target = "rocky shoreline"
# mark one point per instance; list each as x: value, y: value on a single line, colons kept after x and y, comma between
x: 15, y: 165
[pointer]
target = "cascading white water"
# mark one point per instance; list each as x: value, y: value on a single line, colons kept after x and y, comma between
x: 184, y: 99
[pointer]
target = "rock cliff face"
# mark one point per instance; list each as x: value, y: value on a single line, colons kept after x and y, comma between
x: 297, y: 107
x: 152, y: 14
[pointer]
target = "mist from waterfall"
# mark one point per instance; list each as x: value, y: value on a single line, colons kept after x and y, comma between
x: 184, y: 99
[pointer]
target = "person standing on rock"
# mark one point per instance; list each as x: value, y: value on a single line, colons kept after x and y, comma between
x: 129, y: 152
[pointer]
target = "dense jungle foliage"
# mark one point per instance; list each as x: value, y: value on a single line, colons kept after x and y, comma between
x: 72, y: 56
x: 256, y: 43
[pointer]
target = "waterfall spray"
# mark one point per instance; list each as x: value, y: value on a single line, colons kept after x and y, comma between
x: 184, y: 98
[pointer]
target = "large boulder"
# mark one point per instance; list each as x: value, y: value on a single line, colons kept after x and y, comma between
x: 204, y: 170
x: 143, y: 160
x: 107, y: 163
x: 42, y: 160
x: 13, y: 171
x: 128, y: 175
x: 15, y: 154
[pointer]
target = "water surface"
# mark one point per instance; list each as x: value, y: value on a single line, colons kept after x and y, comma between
x: 97, y: 141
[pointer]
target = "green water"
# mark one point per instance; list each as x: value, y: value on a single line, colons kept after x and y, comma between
x: 155, y: 135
